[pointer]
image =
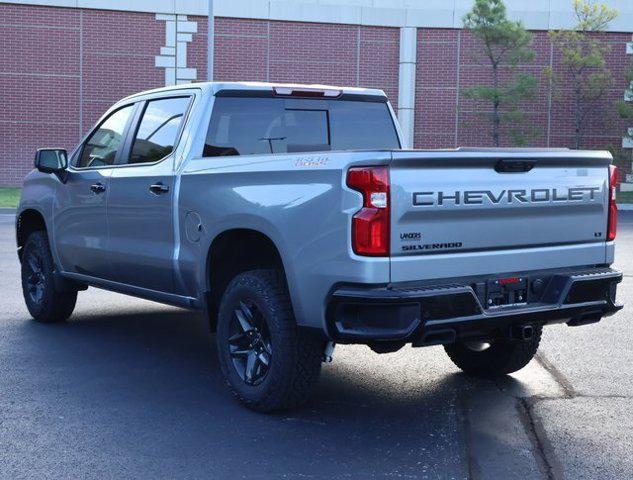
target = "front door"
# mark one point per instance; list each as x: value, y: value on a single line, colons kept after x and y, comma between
x: 141, y: 231
x: 79, y: 216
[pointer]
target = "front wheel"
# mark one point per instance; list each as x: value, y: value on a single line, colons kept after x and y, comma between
x: 268, y: 362
x: 496, y: 358
x: 44, y: 301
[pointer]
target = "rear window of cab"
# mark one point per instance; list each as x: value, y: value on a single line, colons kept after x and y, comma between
x: 254, y: 125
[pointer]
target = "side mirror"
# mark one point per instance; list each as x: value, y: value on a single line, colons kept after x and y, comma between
x: 51, y: 160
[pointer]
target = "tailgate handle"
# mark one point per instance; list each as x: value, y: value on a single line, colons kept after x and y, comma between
x: 514, y: 166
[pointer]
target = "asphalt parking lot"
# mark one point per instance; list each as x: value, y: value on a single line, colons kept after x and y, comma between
x: 132, y: 389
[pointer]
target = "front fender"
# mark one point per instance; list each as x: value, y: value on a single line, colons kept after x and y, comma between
x: 38, y: 195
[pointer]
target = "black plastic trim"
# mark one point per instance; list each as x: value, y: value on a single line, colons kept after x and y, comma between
x: 454, y: 306
x: 358, y: 97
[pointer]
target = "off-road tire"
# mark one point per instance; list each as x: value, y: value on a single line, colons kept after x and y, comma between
x: 501, y: 358
x: 296, y: 357
x: 51, y: 305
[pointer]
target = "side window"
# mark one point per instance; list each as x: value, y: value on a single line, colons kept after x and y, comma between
x: 158, y: 130
x: 101, y: 147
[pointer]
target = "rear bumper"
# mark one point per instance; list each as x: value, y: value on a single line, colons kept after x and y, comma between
x: 429, y: 314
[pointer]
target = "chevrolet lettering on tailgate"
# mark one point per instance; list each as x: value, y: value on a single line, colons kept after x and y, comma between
x: 479, y: 197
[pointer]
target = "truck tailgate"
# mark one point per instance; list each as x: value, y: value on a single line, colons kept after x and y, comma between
x: 470, y: 213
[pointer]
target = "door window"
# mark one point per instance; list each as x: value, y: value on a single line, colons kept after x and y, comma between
x: 158, y: 130
x: 101, y: 148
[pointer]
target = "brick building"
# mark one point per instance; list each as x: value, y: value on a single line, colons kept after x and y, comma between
x: 64, y: 62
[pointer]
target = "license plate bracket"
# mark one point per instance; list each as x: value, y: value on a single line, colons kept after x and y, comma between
x: 505, y: 292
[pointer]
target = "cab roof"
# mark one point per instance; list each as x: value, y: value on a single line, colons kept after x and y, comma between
x: 216, y: 87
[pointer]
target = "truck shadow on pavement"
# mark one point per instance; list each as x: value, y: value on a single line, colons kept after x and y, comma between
x: 146, y: 387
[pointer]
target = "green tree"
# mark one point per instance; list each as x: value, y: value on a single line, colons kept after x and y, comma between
x: 585, y: 70
x: 505, y: 44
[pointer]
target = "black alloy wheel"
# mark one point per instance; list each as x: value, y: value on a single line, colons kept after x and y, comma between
x: 268, y: 361
x: 44, y: 298
x: 250, y: 344
x: 35, y: 281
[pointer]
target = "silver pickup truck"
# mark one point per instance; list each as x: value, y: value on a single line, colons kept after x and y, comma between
x: 291, y: 216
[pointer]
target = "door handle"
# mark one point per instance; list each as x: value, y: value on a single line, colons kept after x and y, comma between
x: 158, y: 188
x: 97, y: 187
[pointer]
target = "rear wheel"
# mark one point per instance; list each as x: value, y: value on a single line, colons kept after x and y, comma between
x: 44, y: 301
x: 267, y: 361
x: 495, y: 358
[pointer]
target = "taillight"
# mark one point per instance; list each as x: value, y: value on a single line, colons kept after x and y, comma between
x: 370, y: 225
x: 612, y: 225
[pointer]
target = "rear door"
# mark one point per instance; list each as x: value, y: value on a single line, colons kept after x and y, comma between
x: 471, y: 213
x: 140, y: 201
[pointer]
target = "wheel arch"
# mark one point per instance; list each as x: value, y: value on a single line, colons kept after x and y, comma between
x: 28, y: 221
x: 231, y: 252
